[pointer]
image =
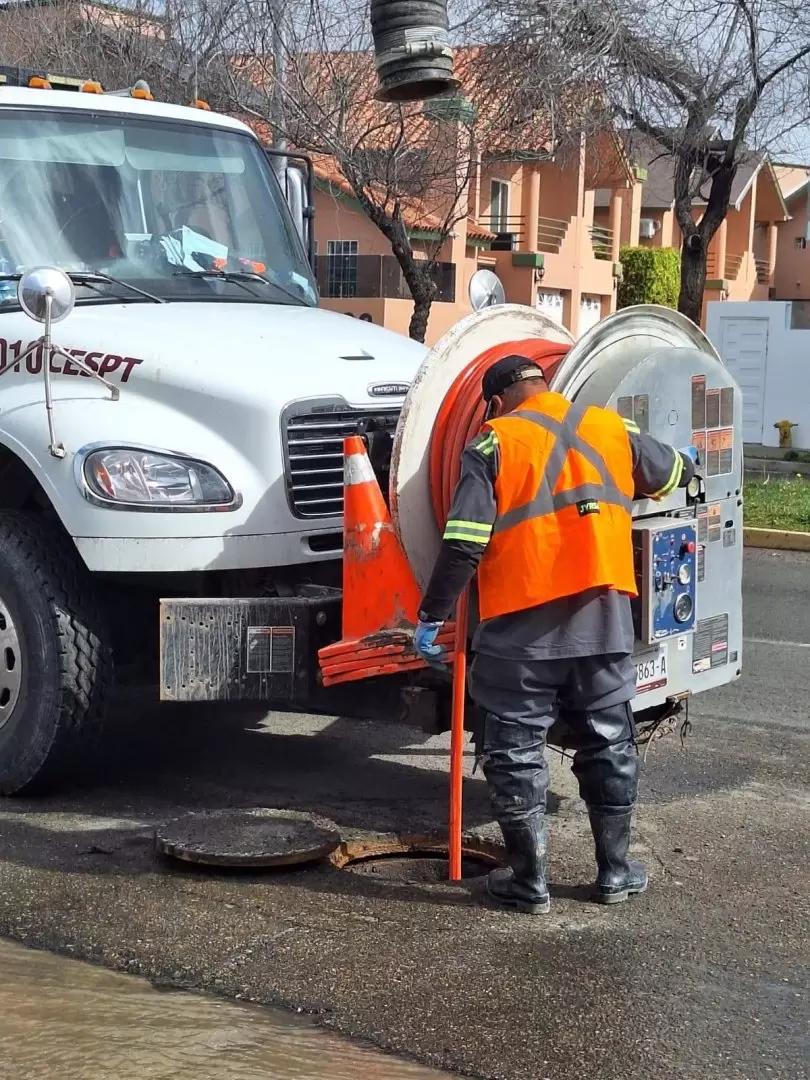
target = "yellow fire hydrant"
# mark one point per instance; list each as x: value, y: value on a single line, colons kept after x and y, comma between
x: 785, y: 429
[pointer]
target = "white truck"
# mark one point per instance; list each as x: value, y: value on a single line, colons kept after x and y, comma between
x: 191, y: 451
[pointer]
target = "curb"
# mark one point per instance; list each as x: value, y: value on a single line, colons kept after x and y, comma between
x: 760, y: 468
x: 778, y: 539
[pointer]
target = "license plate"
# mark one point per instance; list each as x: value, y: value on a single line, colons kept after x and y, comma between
x: 651, y: 671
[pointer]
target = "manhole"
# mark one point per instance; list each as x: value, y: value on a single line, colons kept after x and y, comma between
x: 252, y: 838
x: 414, y: 860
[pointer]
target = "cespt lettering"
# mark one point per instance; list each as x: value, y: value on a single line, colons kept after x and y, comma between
x: 107, y: 364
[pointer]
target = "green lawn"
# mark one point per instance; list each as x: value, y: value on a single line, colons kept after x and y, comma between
x: 778, y: 503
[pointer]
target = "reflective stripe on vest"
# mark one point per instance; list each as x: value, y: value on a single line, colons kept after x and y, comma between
x: 539, y: 550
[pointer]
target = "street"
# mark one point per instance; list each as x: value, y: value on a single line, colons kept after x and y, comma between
x: 705, y: 976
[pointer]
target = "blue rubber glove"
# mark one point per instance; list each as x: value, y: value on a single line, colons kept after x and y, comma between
x: 691, y: 452
x: 424, y: 642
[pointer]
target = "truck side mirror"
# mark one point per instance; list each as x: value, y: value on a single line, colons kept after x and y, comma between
x: 296, y: 189
x: 295, y: 176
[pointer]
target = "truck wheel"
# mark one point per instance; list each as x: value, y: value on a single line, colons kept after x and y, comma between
x: 55, y: 659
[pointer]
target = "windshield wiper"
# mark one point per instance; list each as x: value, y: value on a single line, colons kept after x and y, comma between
x: 239, y: 277
x: 92, y: 277
x: 96, y: 277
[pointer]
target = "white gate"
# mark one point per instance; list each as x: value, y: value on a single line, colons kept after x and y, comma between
x: 590, y: 312
x: 550, y: 302
x: 744, y: 348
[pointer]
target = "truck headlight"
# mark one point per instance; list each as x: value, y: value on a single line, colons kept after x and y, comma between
x: 132, y: 478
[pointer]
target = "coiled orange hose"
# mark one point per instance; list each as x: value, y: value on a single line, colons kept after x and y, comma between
x: 458, y: 422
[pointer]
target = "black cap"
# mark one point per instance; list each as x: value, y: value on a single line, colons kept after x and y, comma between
x: 507, y: 371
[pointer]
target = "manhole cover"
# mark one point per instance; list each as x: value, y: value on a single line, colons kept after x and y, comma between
x: 248, y: 838
x: 414, y: 860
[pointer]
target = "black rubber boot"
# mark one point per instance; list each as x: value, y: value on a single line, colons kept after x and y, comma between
x: 619, y: 878
x: 524, y: 886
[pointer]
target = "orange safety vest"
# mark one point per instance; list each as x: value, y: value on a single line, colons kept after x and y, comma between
x: 564, y: 493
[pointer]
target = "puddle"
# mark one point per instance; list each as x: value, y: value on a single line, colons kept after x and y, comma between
x: 64, y: 1020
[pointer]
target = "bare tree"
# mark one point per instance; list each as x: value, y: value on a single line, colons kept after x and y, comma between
x: 708, y: 81
x: 307, y: 78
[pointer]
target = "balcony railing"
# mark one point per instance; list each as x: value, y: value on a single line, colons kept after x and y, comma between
x: 601, y: 241
x: 508, y: 230
x: 367, y: 276
x: 551, y: 233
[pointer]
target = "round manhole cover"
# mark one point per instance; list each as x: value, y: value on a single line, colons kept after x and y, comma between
x: 248, y: 838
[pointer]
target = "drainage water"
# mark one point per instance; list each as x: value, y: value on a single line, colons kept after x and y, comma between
x: 63, y: 1020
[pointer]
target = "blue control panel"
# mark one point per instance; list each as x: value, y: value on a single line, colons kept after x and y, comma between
x: 666, y: 568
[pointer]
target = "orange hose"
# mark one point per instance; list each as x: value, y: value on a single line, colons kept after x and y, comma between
x: 459, y: 421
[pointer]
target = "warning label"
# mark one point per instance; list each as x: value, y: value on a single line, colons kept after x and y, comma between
x: 712, y: 409
x: 636, y: 409
x: 703, y: 524
x: 271, y: 649
x: 726, y: 450
x: 715, y: 530
x: 710, y: 644
x: 727, y: 406
x: 698, y: 402
x: 713, y: 453
x: 641, y: 412
x: 699, y: 440
x: 701, y: 562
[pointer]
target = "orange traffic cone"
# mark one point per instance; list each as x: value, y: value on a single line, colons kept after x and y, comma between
x: 379, y: 589
x: 380, y: 594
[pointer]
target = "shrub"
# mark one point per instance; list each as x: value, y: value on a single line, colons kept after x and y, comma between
x: 650, y: 276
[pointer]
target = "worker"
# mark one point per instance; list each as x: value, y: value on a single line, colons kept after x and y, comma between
x: 542, y: 511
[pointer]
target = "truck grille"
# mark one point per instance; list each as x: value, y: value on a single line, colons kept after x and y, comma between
x: 313, y: 435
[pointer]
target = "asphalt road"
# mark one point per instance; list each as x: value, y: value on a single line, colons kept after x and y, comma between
x: 706, y: 976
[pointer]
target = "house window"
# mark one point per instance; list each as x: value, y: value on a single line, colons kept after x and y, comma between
x: 341, y: 268
x: 801, y: 243
x: 499, y: 206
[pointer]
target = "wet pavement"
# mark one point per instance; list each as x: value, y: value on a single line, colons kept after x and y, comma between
x: 63, y: 1020
x: 706, y: 976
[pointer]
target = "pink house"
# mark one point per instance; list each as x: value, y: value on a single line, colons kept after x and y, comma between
x: 792, y: 276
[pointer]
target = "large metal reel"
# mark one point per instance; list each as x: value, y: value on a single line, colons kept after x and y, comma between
x: 623, y: 339
x: 411, y: 505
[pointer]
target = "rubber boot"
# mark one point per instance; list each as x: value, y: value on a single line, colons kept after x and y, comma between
x: 523, y: 887
x: 619, y: 877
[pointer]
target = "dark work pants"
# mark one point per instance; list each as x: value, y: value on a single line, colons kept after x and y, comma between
x: 522, y: 699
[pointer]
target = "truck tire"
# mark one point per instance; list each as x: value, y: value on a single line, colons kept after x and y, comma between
x: 55, y: 657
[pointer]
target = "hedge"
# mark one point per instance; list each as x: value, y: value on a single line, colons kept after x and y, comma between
x: 650, y: 276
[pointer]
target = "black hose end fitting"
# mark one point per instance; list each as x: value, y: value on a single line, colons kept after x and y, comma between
x: 412, y: 52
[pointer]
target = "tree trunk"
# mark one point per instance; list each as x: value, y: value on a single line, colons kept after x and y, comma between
x: 417, y: 328
x: 422, y: 289
x: 416, y: 272
x: 693, y: 279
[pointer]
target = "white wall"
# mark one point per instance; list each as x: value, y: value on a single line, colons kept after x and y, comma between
x: 787, y: 370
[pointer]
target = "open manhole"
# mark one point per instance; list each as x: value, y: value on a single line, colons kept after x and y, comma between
x: 414, y: 860
x: 248, y: 839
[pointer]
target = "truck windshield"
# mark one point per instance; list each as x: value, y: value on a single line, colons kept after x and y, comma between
x: 184, y: 211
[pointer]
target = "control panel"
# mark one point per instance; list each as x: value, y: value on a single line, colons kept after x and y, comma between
x: 665, y: 552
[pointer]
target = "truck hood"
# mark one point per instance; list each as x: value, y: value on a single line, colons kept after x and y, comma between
x: 282, y: 351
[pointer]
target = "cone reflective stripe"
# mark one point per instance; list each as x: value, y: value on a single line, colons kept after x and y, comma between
x: 380, y: 594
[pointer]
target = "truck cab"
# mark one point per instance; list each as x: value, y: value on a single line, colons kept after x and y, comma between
x: 185, y: 438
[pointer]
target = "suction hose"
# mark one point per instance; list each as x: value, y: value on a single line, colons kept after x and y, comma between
x: 412, y: 51
x: 459, y: 420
